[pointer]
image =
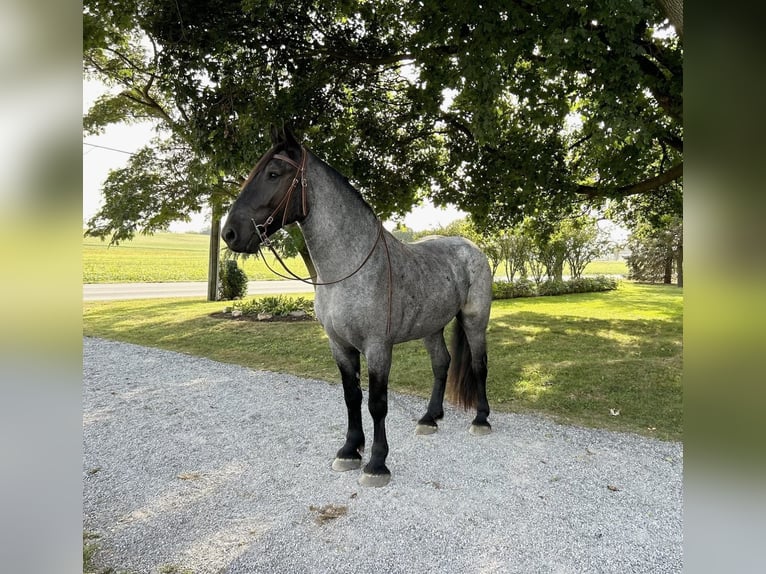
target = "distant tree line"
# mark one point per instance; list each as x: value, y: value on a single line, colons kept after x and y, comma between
x: 529, y: 252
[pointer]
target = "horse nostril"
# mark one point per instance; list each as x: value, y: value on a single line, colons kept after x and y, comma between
x: 229, y: 235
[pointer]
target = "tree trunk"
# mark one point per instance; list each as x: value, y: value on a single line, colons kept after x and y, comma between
x: 674, y: 10
x: 308, y: 262
x: 668, y: 276
x: 215, y: 251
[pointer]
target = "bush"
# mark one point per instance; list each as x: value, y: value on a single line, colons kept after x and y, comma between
x: 232, y: 281
x: 524, y: 288
x: 591, y: 284
x: 278, y: 306
x: 527, y: 288
x: 502, y: 290
x: 553, y: 287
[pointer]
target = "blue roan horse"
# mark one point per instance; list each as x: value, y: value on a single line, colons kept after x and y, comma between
x: 373, y: 291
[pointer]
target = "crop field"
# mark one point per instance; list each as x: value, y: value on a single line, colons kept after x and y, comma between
x: 163, y: 257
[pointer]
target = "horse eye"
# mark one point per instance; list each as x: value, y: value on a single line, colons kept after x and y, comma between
x: 273, y: 175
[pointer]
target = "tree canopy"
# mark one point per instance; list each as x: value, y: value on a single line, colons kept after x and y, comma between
x: 507, y: 110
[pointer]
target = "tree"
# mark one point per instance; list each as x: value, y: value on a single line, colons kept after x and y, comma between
x: 657, y: 252
x: 515, y: 251
x: 583, y: 243
x: 508, y: 110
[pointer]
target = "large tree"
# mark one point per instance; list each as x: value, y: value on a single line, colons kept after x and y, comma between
x: 506, y: 110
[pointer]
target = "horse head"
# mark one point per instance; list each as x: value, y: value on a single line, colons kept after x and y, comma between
x: 273, y: 195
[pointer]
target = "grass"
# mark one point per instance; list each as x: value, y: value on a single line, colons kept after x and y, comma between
x: 184, y: 257
x: 573, y: 357
x: 603, y: 268
x: 163, y: 257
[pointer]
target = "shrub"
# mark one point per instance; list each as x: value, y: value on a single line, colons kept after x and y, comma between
x: 524, y: 288
x: 279, y: 306
x: 232, y: 281
x: 553, y: 287
x: 527, y: 288
x: 502, y: 289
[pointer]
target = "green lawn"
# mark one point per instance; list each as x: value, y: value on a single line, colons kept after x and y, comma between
x: 572, y: 357
x: 162, y: 257
x: 184, y: 257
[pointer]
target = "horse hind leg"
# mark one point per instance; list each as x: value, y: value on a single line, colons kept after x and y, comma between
x: 440, y: 360
x: 467, y: 377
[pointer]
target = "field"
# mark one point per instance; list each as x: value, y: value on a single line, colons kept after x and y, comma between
x: 162, y: 257
x: 609, y: 360
x: 184, y: 257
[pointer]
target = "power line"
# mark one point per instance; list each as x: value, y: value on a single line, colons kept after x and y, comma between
x: 108, y: 148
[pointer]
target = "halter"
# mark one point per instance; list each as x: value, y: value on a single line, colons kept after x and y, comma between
x: 260, y: 230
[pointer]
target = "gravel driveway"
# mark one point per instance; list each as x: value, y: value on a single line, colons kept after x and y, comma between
x: 196, y: 466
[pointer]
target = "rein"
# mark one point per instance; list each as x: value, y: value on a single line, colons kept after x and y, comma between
x: 260, y: 229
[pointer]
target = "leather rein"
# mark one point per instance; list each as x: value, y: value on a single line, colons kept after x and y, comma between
x: 260, y: 230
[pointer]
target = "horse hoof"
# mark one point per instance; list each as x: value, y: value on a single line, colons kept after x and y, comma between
x: 344, y: 464
x: 374, y: 480
x: 480, y: 430
x: 426, y: 429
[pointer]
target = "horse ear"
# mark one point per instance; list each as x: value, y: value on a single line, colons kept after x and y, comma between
x: 290, y: 138
x: 275, y: 135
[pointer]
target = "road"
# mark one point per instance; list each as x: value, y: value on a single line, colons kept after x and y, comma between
x: 117, y: 291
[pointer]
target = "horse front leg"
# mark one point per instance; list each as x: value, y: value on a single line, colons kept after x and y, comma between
x: 440, y: 360
x: 349, y: 457
x: 376, y: 472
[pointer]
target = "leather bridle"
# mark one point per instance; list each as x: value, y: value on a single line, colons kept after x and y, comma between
x: 261, y: 231
x: 261, y: 228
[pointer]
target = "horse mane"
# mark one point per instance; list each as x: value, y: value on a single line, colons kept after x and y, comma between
x: 344, y: 182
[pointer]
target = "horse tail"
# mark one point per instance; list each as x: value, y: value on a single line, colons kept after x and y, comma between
x: 462, y: 382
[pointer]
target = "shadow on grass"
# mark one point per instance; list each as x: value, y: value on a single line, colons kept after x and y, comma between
x: 585, y: 370
x: 579, y: 358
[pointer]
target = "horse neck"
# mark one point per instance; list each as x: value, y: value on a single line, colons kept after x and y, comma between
x: 341, y: 228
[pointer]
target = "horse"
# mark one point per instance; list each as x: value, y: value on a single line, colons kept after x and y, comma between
x: 372, y: 292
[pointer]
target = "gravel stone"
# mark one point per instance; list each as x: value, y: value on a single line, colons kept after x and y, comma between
x: 200, y: 466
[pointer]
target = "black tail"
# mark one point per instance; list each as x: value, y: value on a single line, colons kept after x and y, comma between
x: 462, y: 382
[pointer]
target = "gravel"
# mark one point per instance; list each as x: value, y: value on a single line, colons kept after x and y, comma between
x: 191, y: 465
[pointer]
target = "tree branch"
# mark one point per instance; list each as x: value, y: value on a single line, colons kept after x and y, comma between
x: 646, y: 186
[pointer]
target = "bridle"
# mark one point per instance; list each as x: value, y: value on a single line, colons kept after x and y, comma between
x: 260, y: 230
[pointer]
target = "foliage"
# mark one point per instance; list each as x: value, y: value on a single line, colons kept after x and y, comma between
x: 527, y: 288
x: 515, y: 250
x: 278, y: 306
x: 657, y: 252
x: 529, y: 248
x: 572, y: 358
x: 505, y: 110
x: 232, y: 281
x: 583, y: 242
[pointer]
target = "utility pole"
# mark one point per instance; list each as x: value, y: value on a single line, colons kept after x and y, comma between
x: 215, y: 250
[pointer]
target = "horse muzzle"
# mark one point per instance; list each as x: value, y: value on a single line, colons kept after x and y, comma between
x: 241, y: 238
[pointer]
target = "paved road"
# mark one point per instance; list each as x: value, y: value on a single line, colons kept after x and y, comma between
x: 115, y: 291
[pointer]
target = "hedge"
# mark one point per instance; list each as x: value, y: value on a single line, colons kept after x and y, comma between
x: 527, y: 288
